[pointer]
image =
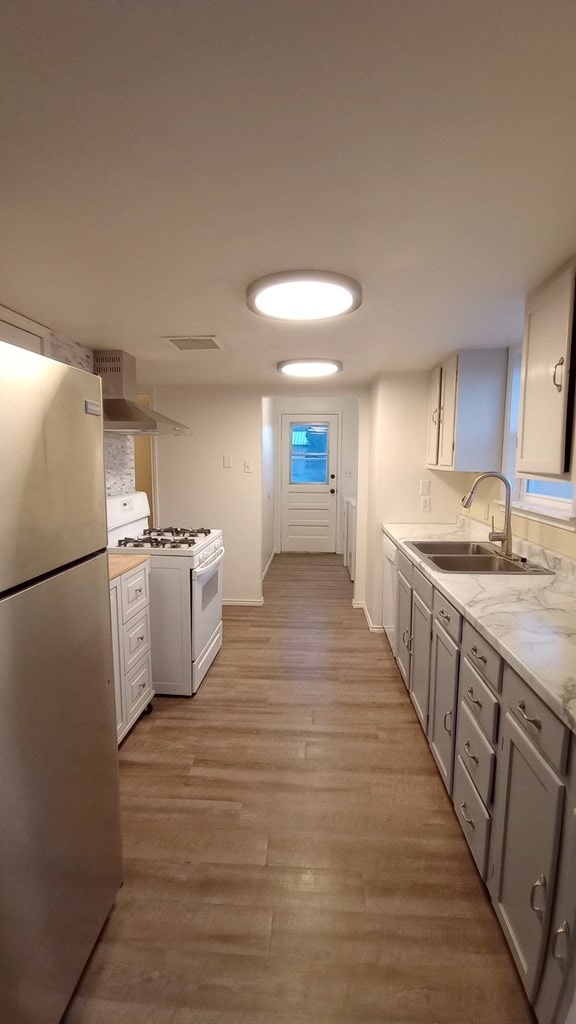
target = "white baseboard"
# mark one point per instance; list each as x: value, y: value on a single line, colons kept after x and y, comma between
x: 241, y: 601
x: 268, y: 564
x: 371, y: 626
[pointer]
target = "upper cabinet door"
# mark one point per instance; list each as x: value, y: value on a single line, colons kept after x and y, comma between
x: 448, y: 412
x: 434, y: 417
x: 545, y: 430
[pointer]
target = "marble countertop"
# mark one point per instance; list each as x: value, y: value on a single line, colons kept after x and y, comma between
x: 529, y: 620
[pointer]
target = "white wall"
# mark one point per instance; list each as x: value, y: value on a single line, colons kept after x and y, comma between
x: 393, y: 456
x: 194, y: 489
x: 268, y: 481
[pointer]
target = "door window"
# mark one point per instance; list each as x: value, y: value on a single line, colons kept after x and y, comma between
x: 309, y: 453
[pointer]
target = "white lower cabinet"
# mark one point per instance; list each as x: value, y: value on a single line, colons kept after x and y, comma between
x: 420, y: 663
x: 506, y: 759
x: 443, y: 702
x: 130, y: 617
x: 524, y: 852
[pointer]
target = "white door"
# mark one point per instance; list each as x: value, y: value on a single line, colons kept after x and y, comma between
x: 309, y: 485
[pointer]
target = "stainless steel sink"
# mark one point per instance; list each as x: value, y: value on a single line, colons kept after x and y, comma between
x: 451, y: 547
x: 470, y: 556
x: 475, y: 563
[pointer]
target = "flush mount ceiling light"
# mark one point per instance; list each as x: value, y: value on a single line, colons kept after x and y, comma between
x: 303, y: 295
x: 309, y: 367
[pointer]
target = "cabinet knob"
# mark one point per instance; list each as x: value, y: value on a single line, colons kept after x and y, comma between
x: 472, y: 698
x: 444, y: 614
x: 558, y: 384
x: 138, y: 590
x: 521, y: 707
x: 564, y: 929
x: 468, y: 752
x: 540, y: 883
x: 140, y: 639
x: 476, y: 653
x: 469, y: 821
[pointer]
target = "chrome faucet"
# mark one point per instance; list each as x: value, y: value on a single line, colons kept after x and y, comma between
x: 504, y: 535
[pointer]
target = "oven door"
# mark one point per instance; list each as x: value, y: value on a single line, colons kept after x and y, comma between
x: 206, y: 610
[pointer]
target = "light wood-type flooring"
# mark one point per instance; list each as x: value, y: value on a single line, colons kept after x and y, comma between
x: 291, y: 854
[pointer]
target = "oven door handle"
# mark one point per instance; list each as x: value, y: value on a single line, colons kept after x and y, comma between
x: 208, y: 565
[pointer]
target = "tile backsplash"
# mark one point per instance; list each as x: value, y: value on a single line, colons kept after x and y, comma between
x: 119, y: 464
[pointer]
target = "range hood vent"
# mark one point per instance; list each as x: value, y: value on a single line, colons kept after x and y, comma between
x: 122, y: 414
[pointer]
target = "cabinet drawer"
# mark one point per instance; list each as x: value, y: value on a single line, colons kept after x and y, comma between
x: 447, y: 616
x: 545, y: 730
x: 136, y: 639
x: 422, y: 587
x: 139, y: 684
x: 486, y: 661
x: 479, y: 699
x: 476, y: 753
x: 135, y: 594
x: 472, y: 815
x: 404, y: 565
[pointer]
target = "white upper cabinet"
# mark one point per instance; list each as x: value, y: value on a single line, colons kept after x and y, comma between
x: 434, y: 417
x: 545, y: 429
x: 466, y: 436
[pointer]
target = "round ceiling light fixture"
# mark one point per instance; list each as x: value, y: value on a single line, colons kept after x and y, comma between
x: 303, y: 295
x: 309, y: 367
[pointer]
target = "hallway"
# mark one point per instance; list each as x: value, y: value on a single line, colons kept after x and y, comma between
x: 291, y: 855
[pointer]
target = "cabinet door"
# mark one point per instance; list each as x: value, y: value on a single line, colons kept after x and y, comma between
x: 115, y: 621
x: 434, y: 417
x: 523, y: 853
x: 448, y: 411
x: 443, y: 697
x: 420, y: 667
x: 404, y: 630
x: 560, y: 949
x: 544, y: 433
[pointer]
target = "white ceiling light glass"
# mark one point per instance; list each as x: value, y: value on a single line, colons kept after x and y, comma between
x: 309, y: 367
x: 303, y: 295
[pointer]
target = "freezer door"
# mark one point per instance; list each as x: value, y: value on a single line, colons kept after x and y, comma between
x: 60, y: 857
x: 52, y: 510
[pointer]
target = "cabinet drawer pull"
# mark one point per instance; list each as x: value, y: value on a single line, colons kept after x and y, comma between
x: 468, y: 752
x: 468, y: 820
x: 521, y: 707
x: 142, y: 686
x: 449, y: 731
x: 540, y: 883
x: 138, y: 590
x: 472, y: 698
x: 479, y: 657
x: 140, y: 638
x: 444, y: 614
x: 557, y: 385
x: 564, y: 929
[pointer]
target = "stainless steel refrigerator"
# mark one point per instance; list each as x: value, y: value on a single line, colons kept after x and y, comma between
x: 60, y: 856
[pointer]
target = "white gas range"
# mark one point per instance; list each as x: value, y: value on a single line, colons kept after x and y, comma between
x: 185, y: 591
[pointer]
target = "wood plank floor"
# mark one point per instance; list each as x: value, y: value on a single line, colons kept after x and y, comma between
x: 290, y: 852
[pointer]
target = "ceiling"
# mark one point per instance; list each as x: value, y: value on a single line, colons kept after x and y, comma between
x: 158, y: 155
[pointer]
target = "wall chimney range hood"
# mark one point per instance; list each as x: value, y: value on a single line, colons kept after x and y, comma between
x: 122, y: 414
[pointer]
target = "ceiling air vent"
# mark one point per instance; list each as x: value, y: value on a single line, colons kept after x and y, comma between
x: 193, y: 343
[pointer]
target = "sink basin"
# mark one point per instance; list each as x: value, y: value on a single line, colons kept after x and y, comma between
x: 470, y: 556
x: 451, y: 547
x: 475, y: 563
